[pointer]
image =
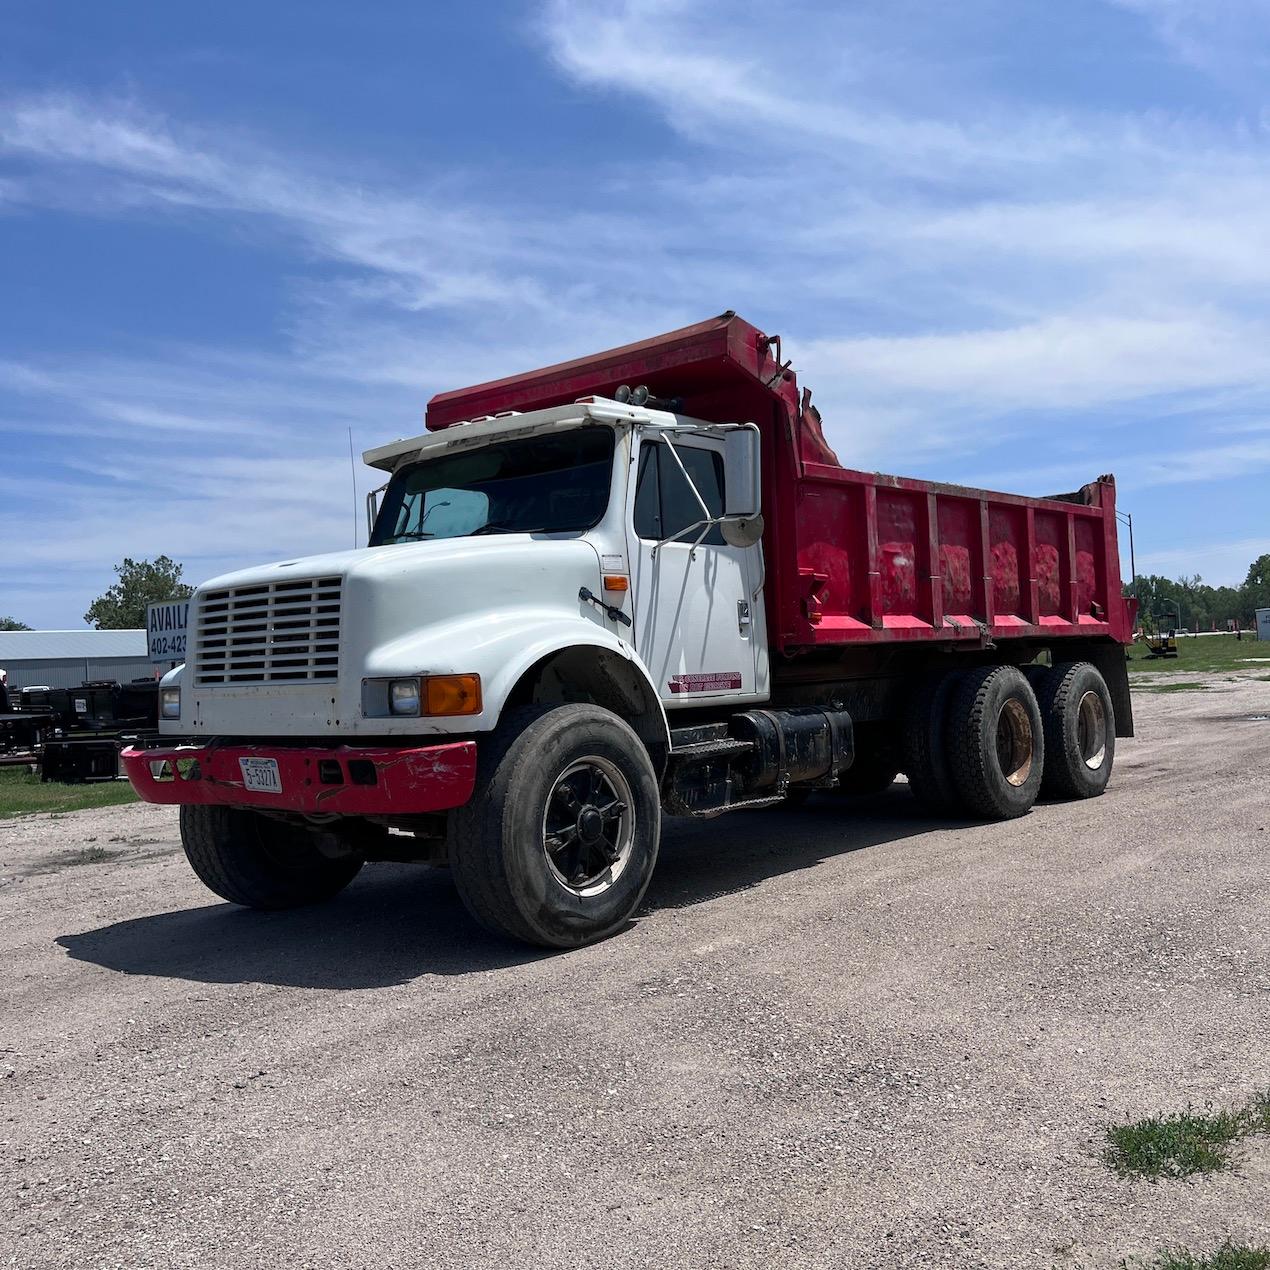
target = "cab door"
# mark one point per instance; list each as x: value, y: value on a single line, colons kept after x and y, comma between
x: 699, y: 622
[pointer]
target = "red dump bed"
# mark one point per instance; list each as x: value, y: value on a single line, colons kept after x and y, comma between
x: 857, y: 557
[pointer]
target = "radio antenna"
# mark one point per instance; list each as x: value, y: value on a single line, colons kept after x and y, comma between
x: 352, y: 470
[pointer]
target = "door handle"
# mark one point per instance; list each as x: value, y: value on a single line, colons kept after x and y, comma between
x: 743, y: 616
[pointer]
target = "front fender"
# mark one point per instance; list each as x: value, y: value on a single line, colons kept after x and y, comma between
x: 502, y: 651
x: 540, y: 642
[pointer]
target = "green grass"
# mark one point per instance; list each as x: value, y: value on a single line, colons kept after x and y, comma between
x: 1187, y: 687
x: 21, y: 794
x: 1173, y: 1146
x: 1258, y: 1112
x: 1230, y: 1256
x: 1184, y: 1142
x: 1204, y: 653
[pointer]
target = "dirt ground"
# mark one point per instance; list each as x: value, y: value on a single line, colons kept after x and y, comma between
x: 838, y: 1036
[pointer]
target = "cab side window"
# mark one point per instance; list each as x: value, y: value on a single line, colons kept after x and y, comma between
x: 664, y: 502
x: 648, y: 494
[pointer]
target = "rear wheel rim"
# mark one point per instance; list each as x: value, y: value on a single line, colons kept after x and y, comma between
x: 1015, y: 743
x: 588, y: 826
x: 1091, y: 730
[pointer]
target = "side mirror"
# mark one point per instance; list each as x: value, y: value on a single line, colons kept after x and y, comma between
x: 742, y: 531
x: 741, y: 485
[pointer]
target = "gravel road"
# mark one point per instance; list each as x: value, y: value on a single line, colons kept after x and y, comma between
x: 838, y: 1036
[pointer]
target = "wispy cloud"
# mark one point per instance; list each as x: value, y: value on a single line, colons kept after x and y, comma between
x: 1226, y: 560
x: 1230, y: 38
x: 708, y: 74
x: 1025, y: 259
x: 213, y: 511
x: 1075, y: 360
x: 439, y: 252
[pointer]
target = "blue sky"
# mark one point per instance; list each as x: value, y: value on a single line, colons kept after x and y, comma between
x: 1008, y: 242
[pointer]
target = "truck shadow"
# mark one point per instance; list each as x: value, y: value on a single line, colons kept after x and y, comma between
x: 705, y: 859
x: 396, y: 923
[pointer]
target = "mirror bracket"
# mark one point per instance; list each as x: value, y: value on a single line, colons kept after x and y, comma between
x: 372, y: 510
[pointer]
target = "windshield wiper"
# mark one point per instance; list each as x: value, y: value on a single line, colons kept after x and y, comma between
x: 501, y: 527
x: 413, y: 533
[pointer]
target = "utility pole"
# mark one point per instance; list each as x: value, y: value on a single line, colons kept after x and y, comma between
x: 1127, y: 519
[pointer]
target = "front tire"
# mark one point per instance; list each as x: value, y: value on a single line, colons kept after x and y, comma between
x: 258, y: 862
x: 557, y: 845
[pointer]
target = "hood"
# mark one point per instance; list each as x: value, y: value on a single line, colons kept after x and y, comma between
x: 390, y: 561
x: 451, y: 589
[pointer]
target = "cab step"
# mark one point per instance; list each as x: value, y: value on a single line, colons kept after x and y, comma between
x: 698, y: 733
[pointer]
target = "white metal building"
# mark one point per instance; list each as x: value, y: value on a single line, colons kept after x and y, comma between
x: 65, y: 659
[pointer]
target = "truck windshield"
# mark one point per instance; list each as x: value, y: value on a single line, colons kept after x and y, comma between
x: 545, y: 484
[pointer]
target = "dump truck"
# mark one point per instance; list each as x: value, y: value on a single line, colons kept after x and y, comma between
x: 636, y: 584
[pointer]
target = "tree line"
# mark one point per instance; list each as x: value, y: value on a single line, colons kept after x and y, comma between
x: 1194, y: 605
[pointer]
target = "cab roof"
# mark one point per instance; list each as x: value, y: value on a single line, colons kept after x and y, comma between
x: 464, y: 433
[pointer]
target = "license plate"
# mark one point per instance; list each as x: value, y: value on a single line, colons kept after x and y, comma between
x: 261, y: 774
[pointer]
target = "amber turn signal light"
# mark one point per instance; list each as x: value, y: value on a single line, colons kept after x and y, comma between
x: 452, y: 694
x: 616, y: 582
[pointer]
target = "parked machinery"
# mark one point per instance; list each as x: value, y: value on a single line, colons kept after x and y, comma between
x: 76, y: 734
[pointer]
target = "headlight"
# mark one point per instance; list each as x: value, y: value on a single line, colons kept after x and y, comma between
x: 425, y: 696
x: 170, y: 703
x: 403, y: 696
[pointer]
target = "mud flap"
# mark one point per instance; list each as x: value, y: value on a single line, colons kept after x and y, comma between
x: 1113, y: 666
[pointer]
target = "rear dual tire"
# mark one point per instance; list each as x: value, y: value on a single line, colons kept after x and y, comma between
x: 258, y: 861
x: 995, y: 743
x: 990, y: 740
x: 1080, y: 730
x: 925, y: 752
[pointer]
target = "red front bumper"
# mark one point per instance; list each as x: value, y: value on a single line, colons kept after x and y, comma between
x: 341, y: 780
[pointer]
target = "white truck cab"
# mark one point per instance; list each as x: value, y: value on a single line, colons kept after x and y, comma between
x: 567, y: 580
x: 494, y: 545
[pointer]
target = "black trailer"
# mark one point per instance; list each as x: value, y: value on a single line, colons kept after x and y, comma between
x: 98, y: 719
x: 23, y: 733
x: 75, y: 734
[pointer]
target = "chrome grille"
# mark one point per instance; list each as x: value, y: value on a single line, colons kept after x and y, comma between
x: 274, y: 632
